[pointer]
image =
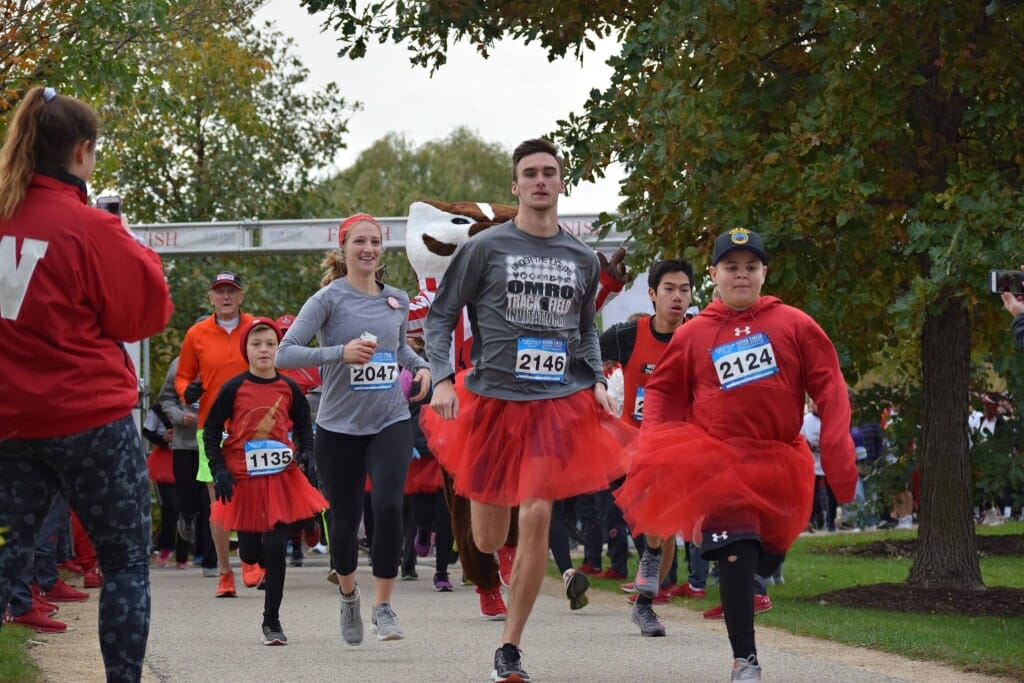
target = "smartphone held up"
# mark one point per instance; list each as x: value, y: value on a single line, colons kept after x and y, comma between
x: 110, y: 203
x: 1011, y: 281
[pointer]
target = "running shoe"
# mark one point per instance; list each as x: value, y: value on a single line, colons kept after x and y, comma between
x: 576, y: 585
x: 508, y: 665
x: 351, y: 620
x: 442, y: 584
x: 649, y: 623
x: 506, y: 558
x: 588, y: 568
x: 762, y: 603
x: 187, y: 529
x: 648, y: 574
x: 746, y: 669
x: 422, y: 542
x: 251, y: 574
x: 685, y: 590
x: 37, y: 621
x: 226, y: 585
x: 492, y: 607
x: 613, y: 574
x: 384, y: 623
x: 273, y: 634
x: 164, y: 558
x: 62, y: 592
x: 210, y: 572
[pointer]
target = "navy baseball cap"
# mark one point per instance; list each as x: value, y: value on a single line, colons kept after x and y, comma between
x: 739, y: 238
x: 226, y: 278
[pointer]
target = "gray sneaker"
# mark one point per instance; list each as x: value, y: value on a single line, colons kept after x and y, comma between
x: 648, y: 574
x: 385, y: 623
x: 210, y: 571
x: 351, y: 620
x: 746, y: 669
x: 649, y: 623
x: 273, y: 634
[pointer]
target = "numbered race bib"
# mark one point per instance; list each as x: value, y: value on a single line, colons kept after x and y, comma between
x: 541, y: 360
x: 377, y: 375
x: 744, y: 361
x: 638, y: 405
x: 266, y: 456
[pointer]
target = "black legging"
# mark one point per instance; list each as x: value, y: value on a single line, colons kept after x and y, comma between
x: 736, y: 585
x: 344, y: 461
x: 268, y: 551
x: 426, y: 512
x: 168, y: 538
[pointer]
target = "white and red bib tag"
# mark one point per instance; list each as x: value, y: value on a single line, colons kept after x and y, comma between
x: 744, y: 361
x: 266, y: 456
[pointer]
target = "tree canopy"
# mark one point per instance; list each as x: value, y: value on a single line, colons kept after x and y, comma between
x: 877, y: 146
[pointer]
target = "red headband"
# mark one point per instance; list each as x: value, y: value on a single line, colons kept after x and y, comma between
x: 352, y: 220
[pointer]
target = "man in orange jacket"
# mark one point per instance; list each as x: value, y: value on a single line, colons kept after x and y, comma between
x: 209, y: 357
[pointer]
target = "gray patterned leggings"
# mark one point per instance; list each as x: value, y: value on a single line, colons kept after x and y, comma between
x: 102, y: 474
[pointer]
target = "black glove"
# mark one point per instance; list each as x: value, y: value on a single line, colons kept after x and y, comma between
x: 193, y: 391
x: 223, y: 485
x: 307, y: 464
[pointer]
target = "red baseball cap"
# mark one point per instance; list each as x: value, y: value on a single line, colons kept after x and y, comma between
x: 285, y: 321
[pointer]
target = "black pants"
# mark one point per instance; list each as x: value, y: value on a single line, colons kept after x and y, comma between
x: 425, y: 513
x: 167, y: 538
x: 267, y: 550
x: 344, y: 461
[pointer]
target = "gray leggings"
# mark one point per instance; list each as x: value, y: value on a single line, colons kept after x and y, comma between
x: 344, y: 461
x: 102, y: 475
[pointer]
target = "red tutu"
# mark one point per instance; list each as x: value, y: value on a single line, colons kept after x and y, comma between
x: 503, y: 452
x: 682, y: 480
x: 259, y: 503
x: 160, y: 464
x: 424, y: 476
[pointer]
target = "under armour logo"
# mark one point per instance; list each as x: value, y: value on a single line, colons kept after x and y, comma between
x: 742, y: 330
x: 724, y: 536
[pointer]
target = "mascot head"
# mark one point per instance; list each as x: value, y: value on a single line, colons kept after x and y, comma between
x: 436, y: 229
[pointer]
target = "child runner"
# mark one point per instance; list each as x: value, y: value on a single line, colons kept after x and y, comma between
x: 720, y: 457
x: 363, y: 423
x: 257, y: 479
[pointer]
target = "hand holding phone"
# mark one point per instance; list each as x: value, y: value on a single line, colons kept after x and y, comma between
x: 110, y: 203
x: 1007, y: 281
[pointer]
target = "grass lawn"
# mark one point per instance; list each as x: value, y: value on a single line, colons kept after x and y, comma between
x: 16, y: 665
x: 983, y: 644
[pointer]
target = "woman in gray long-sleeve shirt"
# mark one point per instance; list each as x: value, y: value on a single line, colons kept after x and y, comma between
x: 363, y: 423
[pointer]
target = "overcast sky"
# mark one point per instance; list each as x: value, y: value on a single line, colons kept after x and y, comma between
x: 514, y: 95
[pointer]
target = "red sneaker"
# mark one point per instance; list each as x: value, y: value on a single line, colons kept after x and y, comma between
x: 93, y: 578
x: 226, y: 586
x: 492, y: 607
x: 37, y: 621
x: 61, y: 592
x: 662, y: 598
x: 506, y: 558
x: 251, y: 574
x: 311, y: 536
x: 628, y: 587
x: 762, y: 603
x: 590, y: 569
x: 612, y: 574
x: 685, y: 590
x: 71, y: 566
x: 47, y: 608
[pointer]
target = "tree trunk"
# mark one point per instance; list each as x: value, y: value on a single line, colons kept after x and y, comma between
x: 946, y: 555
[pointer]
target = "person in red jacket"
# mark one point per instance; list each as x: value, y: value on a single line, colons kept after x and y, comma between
x: 74, y: 286
x: 720, y: 457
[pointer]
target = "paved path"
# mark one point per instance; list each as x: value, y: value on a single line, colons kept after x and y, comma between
x: 195, y: 637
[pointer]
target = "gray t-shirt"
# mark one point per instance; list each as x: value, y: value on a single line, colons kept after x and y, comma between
x: 531, y: 307
x: 356, y: 400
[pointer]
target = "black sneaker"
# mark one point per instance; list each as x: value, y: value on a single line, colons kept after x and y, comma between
x: 273, y: 634
x: 297, y: 558
x: 576, y: 585
x: 508, y: 667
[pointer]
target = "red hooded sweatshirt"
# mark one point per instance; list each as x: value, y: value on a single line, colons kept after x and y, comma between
x: 73, y: 285
x: 688, y: 387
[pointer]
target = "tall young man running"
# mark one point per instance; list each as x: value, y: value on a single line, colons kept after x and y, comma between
x: 531, y: 289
